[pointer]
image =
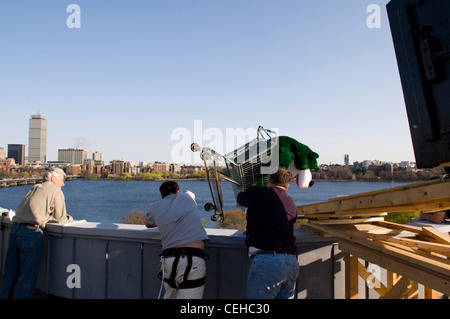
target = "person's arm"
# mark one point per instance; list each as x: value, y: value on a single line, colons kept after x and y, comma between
x: 243, y: 199
x: 150, y: 225
x: 191, y: 194
x: 149, y: 222
x: 59, y: 210
x: 436, y: 217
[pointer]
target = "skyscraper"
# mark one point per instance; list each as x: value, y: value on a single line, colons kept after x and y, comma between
x: 346, y: 159
x: 17, y: 151
x: 37, y: 139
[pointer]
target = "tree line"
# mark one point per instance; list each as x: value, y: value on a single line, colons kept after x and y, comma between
x: 147, y: 176
x: 347, y: 173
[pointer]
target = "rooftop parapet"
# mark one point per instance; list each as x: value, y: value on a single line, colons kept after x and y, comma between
x: 122, y: 261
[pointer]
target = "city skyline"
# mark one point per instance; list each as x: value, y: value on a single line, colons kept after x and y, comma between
x: 317, y: 71
x: 77, y: 155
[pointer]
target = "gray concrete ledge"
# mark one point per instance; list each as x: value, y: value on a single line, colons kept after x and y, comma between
x: 121, y: 261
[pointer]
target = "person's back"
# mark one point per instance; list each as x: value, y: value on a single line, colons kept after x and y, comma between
x: 271, y: 214
x: 177, y: 219
x: 43, y: 202
x: 183, y: 267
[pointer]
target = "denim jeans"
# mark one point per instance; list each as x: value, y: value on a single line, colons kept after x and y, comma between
x: 23, y: 259
x: 272, y: 276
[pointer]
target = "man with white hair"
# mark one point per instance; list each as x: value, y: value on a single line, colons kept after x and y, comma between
x: 42, y: 204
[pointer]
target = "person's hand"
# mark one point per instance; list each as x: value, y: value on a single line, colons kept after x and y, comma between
x: 190, y: 194
x: 69, y: 217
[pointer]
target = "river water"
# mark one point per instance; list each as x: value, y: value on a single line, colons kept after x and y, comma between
x: 110, y: 200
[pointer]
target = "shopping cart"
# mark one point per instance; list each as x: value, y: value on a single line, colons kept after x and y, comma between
x: 246, y: 166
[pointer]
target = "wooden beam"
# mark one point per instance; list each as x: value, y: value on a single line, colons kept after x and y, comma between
x: 431, y: 257
x: 423, y: 275
x: 445, y: 164
x: 408, y: 257
x: 429, y: 247
x: 424, y: 206
x: 351, y: 276
x: 430, y: 293
x: 435, y: 193
x: 391, y: 189
x: 426, y: 246
x: 412, y: 292
x: 374, y: 283
x: 364, y: 208
x: 390, y: 280
x: 346, y: 220
x: 342, y: 214
x: 413, y: 229
x: 437, y: 235
x: 398, y: 290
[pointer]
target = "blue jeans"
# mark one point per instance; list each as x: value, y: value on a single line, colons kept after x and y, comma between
x: 272, y: 276
x: 23, y: 259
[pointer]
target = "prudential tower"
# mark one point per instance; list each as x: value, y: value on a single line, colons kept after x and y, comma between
x: 37, y: 139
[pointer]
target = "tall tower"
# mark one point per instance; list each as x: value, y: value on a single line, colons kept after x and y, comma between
x: 37, y: 139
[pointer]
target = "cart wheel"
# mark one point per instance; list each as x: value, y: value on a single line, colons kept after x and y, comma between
x: 195, y: 147
x: 209, y: 207
x: 217, y: 217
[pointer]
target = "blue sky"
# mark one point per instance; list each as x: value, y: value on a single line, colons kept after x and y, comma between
x: 138, y: 71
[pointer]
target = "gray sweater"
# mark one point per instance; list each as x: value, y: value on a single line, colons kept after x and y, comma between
x: 178, y: 220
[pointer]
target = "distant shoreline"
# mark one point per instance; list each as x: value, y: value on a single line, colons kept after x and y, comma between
x: 203, y: 179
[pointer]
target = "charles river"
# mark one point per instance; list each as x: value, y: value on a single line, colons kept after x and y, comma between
x: 110, y: 200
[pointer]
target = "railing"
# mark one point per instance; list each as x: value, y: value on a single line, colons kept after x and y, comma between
x: 103, y: 260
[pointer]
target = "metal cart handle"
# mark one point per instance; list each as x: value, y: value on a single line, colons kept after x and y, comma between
x: 265, y: 130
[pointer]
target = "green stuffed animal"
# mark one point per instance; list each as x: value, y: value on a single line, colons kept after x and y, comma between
x: 298, y: 158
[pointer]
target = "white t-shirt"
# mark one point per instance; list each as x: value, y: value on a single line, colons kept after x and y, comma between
x: 178, y: 219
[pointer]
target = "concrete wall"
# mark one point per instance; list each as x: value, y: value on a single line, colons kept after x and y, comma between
x: 121, y: 261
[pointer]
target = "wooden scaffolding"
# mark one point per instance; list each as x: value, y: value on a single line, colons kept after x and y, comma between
x: 410, y: 254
